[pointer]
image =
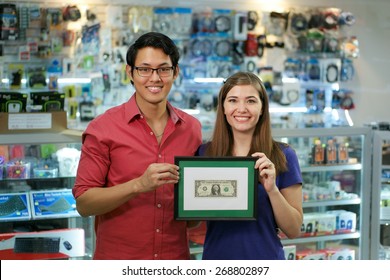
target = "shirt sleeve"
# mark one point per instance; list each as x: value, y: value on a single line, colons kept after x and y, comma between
x: 293, y: 175
x: 94, y: 161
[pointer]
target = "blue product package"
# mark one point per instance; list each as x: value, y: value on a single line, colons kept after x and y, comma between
x: 14, y: 206
x: 55, y: 203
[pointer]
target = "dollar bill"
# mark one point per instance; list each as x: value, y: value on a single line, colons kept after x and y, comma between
x: 215, y: 188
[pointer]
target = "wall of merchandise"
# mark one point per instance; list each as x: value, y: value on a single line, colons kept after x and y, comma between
x: 72, y: 57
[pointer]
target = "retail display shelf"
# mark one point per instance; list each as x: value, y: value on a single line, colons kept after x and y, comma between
x: 36, y: 179
x: 320, y: 203
x: 385, y: 221
x: 53, y: 207
x: 315, y: 168
x: 323, y: 238
x: 353, y: 176
x: 196, y: 250
x: 42, y: 218
x: 380, y: 167
x: 41, y: 138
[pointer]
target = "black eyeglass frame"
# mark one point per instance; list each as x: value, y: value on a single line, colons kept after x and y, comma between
x: 158, y: 70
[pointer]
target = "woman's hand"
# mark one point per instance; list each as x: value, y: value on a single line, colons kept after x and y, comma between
x: 267, y: 172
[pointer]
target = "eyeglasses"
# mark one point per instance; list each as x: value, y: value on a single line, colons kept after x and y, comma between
x: 147, y: 71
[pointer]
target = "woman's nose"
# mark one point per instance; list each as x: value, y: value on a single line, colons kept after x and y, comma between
x: 241, y: 107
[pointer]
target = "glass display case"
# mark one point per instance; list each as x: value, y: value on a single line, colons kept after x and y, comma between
x: 38, y: 216
x: 380, y: 225
x: 336, y: 168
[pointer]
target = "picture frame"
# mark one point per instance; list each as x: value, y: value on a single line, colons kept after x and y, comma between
x: 237, y: 181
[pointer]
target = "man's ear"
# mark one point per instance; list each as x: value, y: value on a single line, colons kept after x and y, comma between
x: 177, y: 71
x: 129, y: 72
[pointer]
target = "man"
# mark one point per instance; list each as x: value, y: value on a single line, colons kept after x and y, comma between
x: 126, y: 174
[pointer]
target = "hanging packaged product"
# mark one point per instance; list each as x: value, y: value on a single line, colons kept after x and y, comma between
x: 8, y: 22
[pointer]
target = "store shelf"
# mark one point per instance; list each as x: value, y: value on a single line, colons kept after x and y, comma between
x: 196, y: 250
x: 318, y: 178
x: 381, y: 139
x: 315, y: 168
x: 323, y: 203
x: 53, y: 210
x: 384, y: 221
x: 322, y: 238
x: 65, y: 136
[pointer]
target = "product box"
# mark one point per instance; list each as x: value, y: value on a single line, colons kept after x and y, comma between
x: 310, y: 255
x: 53, y: 244
x: 385, y: 206
x: 18, y: 169
x: 45, y: 172
x: 345, y: 220
x: 51, y: 101
x: 15, y: 206
x: 339, y: 254
x: 290, y: 252
x: 308, y: 225
x: 8, y: 22
x: 53, y: 204
x: 13, y: 102
x: 326, y: 223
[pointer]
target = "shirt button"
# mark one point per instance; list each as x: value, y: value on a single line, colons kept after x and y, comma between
x: 158, y: 230
x: 151, y: 133
x: 159, y: 205
x: 155, y: 255
x: 159, y: 156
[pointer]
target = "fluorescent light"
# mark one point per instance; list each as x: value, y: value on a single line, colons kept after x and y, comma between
x: 348, y: 117
x: 287, y: 109
x: 209, y: 80
x: 74, y: 80
x: 192, y: 111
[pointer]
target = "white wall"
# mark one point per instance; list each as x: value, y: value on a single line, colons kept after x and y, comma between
x: 371, y: 85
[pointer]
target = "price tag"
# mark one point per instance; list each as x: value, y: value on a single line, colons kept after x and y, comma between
x: 29, y: 121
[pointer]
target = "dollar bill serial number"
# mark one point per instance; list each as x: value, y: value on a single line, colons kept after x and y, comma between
x: 259, y: 270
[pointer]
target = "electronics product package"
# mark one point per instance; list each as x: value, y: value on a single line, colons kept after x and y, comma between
x: 53, y: 203
x: 50, y: 101
x: 13, y: 102
x: 14, y: 206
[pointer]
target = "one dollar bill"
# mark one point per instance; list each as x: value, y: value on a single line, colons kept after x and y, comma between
x: 215, y: 188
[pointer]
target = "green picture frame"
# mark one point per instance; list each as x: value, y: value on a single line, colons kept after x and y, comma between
x: 234, y: 178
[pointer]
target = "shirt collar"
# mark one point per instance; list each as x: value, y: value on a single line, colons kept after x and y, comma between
x: 132, y: 111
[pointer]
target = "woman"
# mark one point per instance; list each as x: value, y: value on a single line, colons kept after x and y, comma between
x: 243, y: 128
